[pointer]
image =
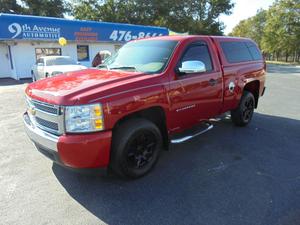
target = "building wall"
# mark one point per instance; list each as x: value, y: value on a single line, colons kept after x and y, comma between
x: 23, y: 33
x: 5, y: 65
x: 23, y: 55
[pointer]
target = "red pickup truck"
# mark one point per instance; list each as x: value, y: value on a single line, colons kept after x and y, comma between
x: 123, y: 113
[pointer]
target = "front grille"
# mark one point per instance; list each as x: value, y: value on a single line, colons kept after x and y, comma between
x: 46, y: 116
x: 46, y: 107
x: 47, y: 124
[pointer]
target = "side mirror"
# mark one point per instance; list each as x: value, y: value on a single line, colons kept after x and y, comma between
x: 40, y: 64
x: 192, y: 66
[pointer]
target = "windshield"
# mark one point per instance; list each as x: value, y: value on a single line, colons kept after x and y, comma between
x: 60, y: 61
x: 148, y: 56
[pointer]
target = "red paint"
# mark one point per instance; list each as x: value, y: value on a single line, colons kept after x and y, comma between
x: 123, y: 93
x: 85, y: 150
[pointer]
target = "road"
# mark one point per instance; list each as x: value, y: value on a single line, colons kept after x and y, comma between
x: 230, y: 175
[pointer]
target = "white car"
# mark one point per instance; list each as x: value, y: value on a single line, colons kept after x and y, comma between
x: 49, y: 66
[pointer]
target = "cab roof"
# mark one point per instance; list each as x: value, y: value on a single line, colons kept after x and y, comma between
x: 185, y: 37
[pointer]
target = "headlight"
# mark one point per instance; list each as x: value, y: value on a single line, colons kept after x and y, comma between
x: 84, y: 118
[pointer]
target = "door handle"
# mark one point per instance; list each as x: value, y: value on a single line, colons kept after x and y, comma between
x: 212, y: 82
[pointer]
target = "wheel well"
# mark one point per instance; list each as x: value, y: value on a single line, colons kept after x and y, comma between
x: 253, y: 87
x: 153, y: 114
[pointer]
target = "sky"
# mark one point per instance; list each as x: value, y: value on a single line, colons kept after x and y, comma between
x: 243, y: 9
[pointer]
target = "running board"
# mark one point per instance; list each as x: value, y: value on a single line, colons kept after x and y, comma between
x: 209, y: 126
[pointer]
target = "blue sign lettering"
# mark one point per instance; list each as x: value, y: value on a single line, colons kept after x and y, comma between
x: 45, y: 28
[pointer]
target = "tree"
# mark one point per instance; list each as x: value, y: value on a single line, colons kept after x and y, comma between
x: 276, y: 30
x: 193, y: 16
x: 252, y: 28
x: 282, y: 30
x: 52, y: 8
x: 10, y: 6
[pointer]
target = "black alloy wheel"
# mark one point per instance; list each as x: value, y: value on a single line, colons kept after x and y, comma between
x: 140, y: 149
x: 248, y: 109
x: 242, y: 115
x: 136, y: 146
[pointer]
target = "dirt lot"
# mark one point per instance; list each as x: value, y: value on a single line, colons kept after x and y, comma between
x: 232, y: 176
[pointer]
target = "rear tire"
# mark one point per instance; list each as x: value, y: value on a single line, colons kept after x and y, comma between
x: 242, y: 115
x: 136, y: 147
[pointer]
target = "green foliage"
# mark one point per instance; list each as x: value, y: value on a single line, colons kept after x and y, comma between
x: 252, y: 28
x: 195, y: 17
x: 10, y: 6
x: 53, y: 8
x: 277, y: 30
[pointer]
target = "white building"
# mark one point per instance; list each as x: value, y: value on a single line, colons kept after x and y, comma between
x: 23, y: 39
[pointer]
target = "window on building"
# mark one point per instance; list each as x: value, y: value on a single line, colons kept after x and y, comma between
x: 39, y: 52
x: 83, y: 53
x: 236, y: 52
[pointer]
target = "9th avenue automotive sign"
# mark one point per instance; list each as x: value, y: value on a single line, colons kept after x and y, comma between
x: 33, y: 32
x: 19, y: 27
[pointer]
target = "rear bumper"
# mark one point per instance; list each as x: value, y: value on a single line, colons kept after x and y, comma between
x: 80, y: 151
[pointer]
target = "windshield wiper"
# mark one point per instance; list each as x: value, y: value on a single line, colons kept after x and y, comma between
x: 123, y: 68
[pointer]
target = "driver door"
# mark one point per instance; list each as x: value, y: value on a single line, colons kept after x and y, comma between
x: 195, y: 94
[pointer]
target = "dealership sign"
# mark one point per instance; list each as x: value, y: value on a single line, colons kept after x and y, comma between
x: 26, y: 31
x: 16, y: 27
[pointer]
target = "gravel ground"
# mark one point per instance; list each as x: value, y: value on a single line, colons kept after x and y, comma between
x: 232, y: 176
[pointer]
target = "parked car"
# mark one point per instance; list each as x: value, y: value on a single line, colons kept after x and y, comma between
x: 122, y: 114
x: 49, y: 66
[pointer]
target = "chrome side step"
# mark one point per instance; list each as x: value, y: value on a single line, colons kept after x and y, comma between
x: 186, y: 138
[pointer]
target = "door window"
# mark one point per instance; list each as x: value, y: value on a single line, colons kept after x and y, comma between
x: 198, y: 52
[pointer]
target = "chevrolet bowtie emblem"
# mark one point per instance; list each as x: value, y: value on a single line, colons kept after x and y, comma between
x: 32, y: 111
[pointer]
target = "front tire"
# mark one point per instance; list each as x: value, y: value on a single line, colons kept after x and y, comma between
x: 242, y: 115
x: 136, y: 147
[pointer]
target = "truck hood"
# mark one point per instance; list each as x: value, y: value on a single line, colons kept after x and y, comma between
x: 71, y: 87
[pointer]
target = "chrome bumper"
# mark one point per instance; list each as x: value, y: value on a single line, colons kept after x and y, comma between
x: 38, y: 136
